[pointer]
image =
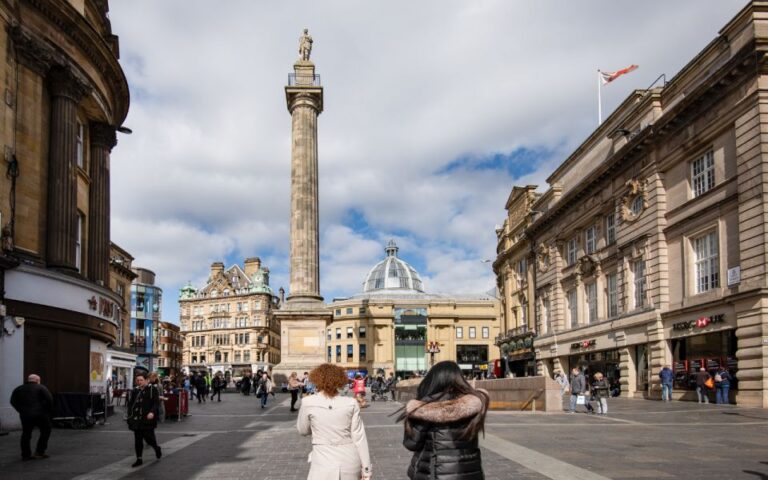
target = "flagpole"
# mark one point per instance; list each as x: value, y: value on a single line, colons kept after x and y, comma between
x: 599, y: 99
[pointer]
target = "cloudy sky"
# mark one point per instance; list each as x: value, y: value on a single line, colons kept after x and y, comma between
x: 433, y: 111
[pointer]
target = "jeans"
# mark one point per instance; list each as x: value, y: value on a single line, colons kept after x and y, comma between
x: 139, y: 436
x: 294, y: 398
x: 263, y: 399
x: 703, y: 393
x: 602, y: 406
x: 721, y: 396
x: 666, y: 392
x: 573, y: 402
x: 27, y: 425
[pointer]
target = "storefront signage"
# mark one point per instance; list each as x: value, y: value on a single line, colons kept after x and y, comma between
x: 583, y: 345
x: 701, y: 322
x: 104, y: 306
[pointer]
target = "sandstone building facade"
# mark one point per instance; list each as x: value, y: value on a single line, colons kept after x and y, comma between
x: 120, y: 358
x: 64, y: 97
x: 392, y: 323
x: 649, y: 246
x: 228, y: 325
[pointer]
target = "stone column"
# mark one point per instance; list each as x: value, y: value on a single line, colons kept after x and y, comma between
x: 103, y: 139
x: 305, y: 102
x: 66, y: 91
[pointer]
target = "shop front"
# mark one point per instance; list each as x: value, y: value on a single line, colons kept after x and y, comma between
x: 586, y: 357
x: 517, y: 354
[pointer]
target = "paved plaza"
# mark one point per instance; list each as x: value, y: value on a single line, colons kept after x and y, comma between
x: 237, y: 439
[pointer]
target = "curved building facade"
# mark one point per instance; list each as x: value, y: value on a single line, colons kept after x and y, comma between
x: 65, y: 95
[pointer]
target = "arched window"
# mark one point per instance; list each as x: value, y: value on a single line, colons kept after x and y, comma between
x: 217, y: 356
x: 214, y: 294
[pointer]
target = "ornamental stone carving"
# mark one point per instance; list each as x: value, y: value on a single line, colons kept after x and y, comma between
x: 543, y: 257
x: 32, y: 52
x: 587, y: 266
x: 103, y: 135
x: 65, y: 82
x: 629, y: 210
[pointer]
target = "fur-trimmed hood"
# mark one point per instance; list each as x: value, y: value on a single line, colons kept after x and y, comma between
x: 445, y: 411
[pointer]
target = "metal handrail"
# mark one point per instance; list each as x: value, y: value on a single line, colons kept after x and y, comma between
x: 303, y: 80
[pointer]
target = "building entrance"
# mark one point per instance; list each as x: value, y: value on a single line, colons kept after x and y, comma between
x: 410, y: 342
x: 605, y: 362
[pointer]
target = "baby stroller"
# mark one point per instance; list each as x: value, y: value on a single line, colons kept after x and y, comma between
x: 379, y: 390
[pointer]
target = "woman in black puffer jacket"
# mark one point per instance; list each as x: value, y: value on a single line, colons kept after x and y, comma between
x: 442, y: 426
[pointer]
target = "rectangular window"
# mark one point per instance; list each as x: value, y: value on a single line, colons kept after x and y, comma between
x: 472, y: 332
x: 362, y: 352
x: 639, y: 272
x: 610, y: 229
x: 486, y: 332
x: 238, y: 357
x: 350, y: 352
x: 338, y: 312
x: 703, y: 173
x: 590, y: 238
x: 79, y: 242
x: 362, y: 310
x: 459, y: 332
x: 707, y: 269
x: 522, y: 267
x: 338, y: 334
x: 338, y: 353
x: 329, y: 334
x: 350, y: 331
x: 247, y: 356
x: 547, y: 315
x: 349, y: 311
x: 80, y: 142
x: 573, y: 308
x: 571, y: 251
x: 592, y: 301
x: 613, y: 295
x: 330, y: 354
x: 361, y: 332
x: 194, y: 358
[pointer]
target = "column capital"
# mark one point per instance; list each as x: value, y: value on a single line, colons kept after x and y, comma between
x: 103, y: 135
x: 66, y: 82
x: 304, y: 97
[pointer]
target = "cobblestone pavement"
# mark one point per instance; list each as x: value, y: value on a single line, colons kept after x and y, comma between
x: 236, y: 439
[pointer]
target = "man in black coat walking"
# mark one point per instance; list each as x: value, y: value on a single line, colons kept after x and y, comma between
x: 35, y: 406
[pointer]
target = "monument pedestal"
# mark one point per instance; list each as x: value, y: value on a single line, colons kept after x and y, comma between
x: 302, y: 339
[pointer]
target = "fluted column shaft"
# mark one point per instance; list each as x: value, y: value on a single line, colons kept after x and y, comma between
x: 103, y: 139
x: 61, y: 232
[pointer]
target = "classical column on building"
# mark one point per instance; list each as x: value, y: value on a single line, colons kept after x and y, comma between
x: 67, y: 89
x: 303, y: 317
x: 103, y: 139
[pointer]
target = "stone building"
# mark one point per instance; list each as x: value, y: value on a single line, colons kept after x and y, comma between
x: 516, y: 285
x: 228, y: 325
x: 390, y: 325
x: 650, y: 244
x: 65, y: 95
x: 120, y: 358
x: 169, y: 349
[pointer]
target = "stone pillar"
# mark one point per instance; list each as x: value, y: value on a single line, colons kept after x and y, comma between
x: 61, y: 229
x: 305, y: 102
x: 103, y: 139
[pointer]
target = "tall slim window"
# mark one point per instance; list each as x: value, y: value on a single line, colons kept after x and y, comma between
x: 703, y: 173
x: 707, y: 269
x: 80, y: 141
x: 350, y: 331
x: 472, y: 332
x: 459, y: 332
x: 592, y: 301
x: 329, y: 354
x: 573, y: 308
x: 362, y: 352
x: 613, y: 295
x: 610, y: 228
x: 329, y: 334
x: 361, y: 332
x: 486, y: 332
x: 590, y: 238
x: 350, y: 352
x: 338, y: 334
x: 547, y: 315
x: 638, y: 269
x: 571, y: 251
x: 338, y: 353
x: 79, y: 242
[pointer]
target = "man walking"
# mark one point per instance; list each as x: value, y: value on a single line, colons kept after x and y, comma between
x: 667, y: 378
x: 702, y: 389
x: 35, y: 406
x: 578, y: 388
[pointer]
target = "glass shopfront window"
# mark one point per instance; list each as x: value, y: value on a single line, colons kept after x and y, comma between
x: 605, y: 362
x: 710, y: 350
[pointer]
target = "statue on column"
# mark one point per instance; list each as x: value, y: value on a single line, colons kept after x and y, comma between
x: 305, y: 46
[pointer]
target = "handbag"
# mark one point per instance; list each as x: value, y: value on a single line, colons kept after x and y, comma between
x: 709, y: 383
x: 581, y: 400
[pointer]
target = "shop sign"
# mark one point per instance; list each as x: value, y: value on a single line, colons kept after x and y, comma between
x: 701, y: 322
x: 583, y: 345
x: 104, y: 306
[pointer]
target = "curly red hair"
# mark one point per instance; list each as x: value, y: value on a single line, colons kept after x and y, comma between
x: 328, y: 378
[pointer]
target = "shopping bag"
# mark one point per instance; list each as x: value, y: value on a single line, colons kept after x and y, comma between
x: 581, y: 400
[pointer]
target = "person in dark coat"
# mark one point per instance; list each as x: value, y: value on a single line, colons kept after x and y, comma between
x: 35, y: 406
x: 442, y: 426
x: 202, y: 388
x: 143, y: 408
x: 246, y: 384
x: 702, y: 390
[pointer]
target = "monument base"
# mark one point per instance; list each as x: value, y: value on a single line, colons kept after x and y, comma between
x: 302, y: 339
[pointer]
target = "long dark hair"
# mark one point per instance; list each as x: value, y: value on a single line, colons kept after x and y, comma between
x: 444, y: 381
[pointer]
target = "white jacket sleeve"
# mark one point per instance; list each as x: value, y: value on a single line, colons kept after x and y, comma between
x: 302, y: 423
x: 361, y: 441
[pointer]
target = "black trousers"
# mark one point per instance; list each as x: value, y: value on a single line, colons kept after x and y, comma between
x: 216, y: 391
x: 140, y: 436
x: 27, y: 425
x: 294, y: 398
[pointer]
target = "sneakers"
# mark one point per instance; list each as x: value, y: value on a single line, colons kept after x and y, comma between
x: 41, y: 455
x: 158, y: 452
x: 137, y: 463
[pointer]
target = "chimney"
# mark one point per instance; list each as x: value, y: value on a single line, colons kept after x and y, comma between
x: 216, y: 269
x: 252, y: 266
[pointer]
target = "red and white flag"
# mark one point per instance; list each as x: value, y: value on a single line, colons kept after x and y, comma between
x: 608, y: 77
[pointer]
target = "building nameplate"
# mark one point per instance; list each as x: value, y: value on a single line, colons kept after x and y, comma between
x: 699, y: 323
x: 584, y: 345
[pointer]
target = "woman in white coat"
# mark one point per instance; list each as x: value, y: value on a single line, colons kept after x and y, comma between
x: 339, y: 444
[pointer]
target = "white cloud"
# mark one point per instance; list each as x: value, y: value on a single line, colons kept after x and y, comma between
x: 409, y: 88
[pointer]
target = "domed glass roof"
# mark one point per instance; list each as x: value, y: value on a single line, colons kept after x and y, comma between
x: 392, y: 273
